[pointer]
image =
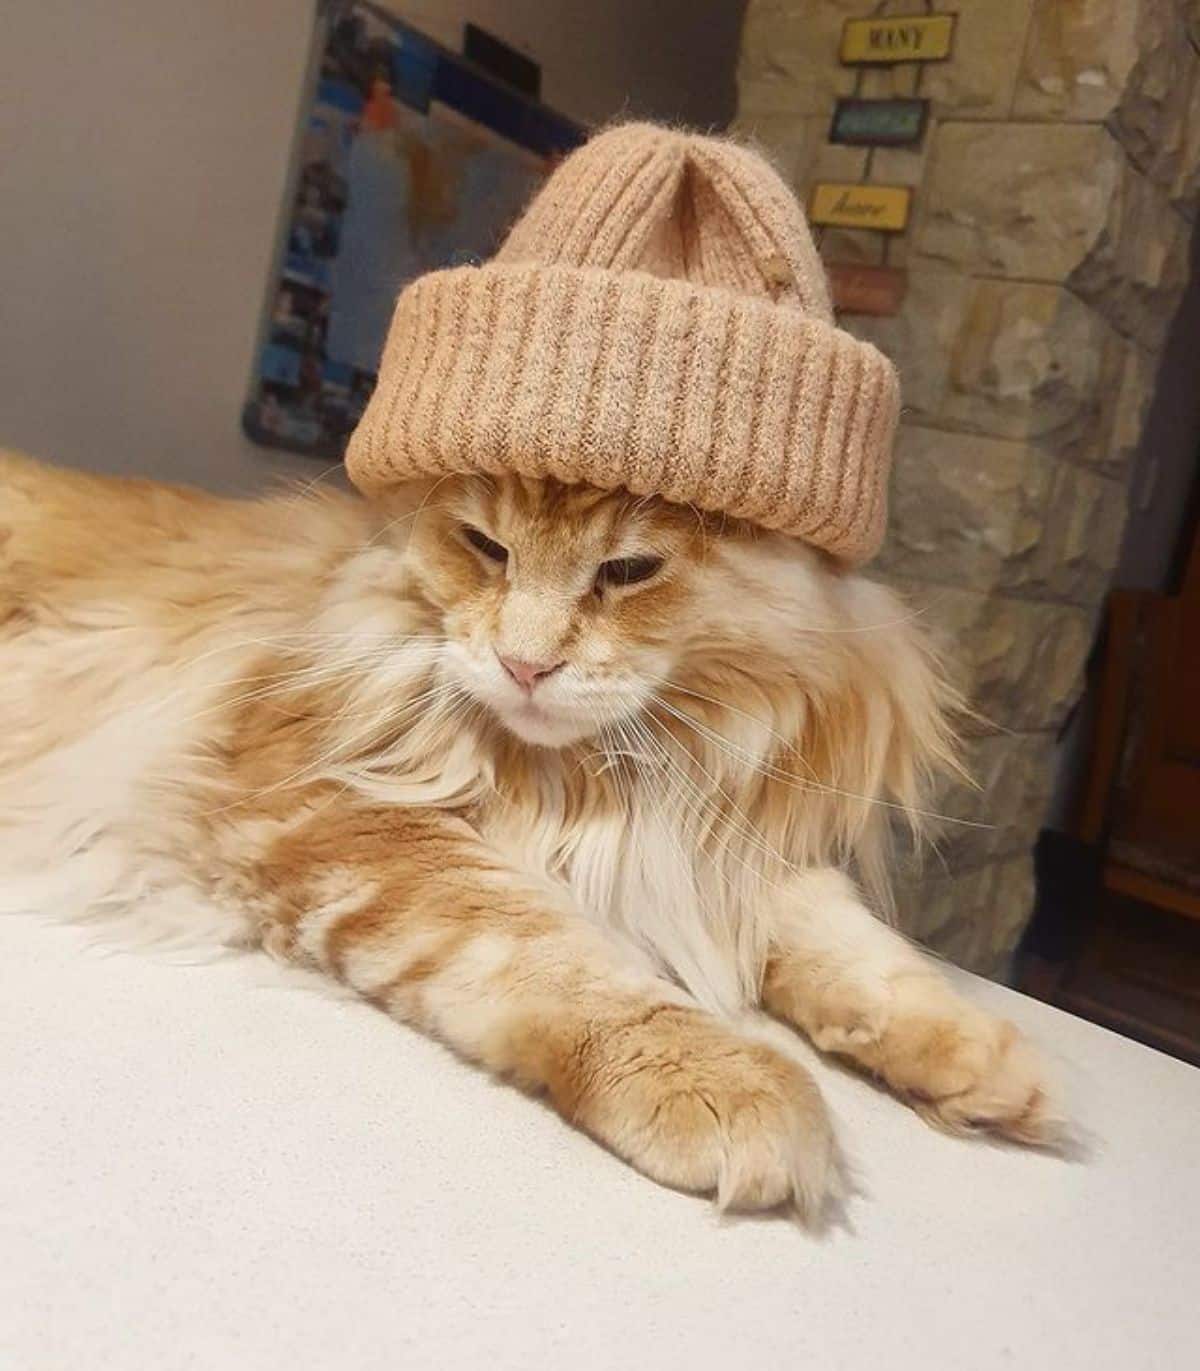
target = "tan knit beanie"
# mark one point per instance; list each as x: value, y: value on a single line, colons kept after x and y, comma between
x: 659, y: 320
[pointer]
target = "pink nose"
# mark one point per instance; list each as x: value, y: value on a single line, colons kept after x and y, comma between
x: 527, y: 674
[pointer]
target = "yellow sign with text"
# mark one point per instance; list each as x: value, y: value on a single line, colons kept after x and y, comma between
x: 908, y: 38
x: 856, y: 206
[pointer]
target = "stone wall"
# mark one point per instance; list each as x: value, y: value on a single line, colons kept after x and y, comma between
x: 1054, y: 196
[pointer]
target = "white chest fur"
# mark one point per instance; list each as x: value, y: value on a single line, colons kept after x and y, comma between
x: 639, y: 873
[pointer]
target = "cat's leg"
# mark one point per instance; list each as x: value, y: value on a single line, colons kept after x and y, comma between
x: 859, y: 989
x: 414, y: 912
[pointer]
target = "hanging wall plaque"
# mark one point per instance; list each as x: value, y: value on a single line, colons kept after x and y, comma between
x: 907, y: 38
x: 879, y: 123
x: 866, y: 289
x: 849, y: 205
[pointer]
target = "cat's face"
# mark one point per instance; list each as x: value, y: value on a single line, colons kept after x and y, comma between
x: 563, y: 608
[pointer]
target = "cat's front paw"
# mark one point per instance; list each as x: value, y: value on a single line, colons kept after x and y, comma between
x: 965, y: 1071
x: 697, y: 1107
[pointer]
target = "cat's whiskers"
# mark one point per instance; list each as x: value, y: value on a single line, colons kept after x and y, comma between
x: 283, y: 640
x: 768, y: 769
x: 388, y: 716
x: 677, y: 830
x: 700, y: 804
x: 349, y: 777
x: 356, y: 688
x: 289, y: 682
x: 945, y: 756
x: 317, y: 769
x: 301, y: 493
x: 748, y: 830
x: 412, y: 514
x: 438, y: 698
x: 310, y: 674
x: 436, y: 693
x: 709, y: 814
x: 389, y: 643
x: 673, y: 825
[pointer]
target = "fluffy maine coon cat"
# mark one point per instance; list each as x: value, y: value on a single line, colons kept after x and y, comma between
x: 566, y: 779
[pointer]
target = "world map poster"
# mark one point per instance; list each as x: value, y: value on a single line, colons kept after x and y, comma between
x: 411, y: 158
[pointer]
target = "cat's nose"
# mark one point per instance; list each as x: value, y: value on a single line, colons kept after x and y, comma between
x: 527, y: 674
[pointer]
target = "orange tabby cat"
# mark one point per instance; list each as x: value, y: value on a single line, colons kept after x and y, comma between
x: 567, y: 779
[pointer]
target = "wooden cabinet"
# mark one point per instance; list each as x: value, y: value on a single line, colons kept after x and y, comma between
x: 1132, y: 957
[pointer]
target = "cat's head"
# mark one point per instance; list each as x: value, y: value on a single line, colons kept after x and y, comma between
x: 685, y: 652
x: 565, y: 609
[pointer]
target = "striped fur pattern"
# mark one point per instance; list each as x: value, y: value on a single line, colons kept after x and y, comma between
x: 286, y: 724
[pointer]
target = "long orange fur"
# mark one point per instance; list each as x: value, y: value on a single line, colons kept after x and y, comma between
x: 283, y: 723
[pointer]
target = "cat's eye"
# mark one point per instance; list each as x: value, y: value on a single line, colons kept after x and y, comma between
x: 494, y: 551
x: 628, y: 571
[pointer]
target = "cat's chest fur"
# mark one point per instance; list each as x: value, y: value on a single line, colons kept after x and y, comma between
x: 636, y: 868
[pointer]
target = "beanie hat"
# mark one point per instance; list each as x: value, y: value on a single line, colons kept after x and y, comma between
x: 657, y: 320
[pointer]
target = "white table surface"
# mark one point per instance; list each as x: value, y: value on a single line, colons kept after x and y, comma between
x: 215, y: 1167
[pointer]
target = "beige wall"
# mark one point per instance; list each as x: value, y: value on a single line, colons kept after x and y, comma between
x: 142, y: 166
x: 144, y: 161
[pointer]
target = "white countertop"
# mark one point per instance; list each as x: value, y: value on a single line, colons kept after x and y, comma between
x: 215, y: 1167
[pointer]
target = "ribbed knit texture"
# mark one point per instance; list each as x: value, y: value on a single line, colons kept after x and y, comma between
x: 657, y: 320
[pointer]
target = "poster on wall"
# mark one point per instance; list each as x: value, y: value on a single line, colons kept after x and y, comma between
x: 410, y: 158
